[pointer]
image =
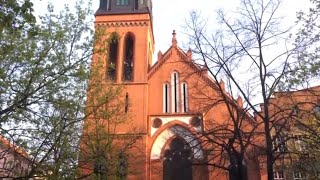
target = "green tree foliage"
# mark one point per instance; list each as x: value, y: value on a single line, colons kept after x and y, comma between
x: 308, y: 43
x: 15, y: 16
x: 305, y: 73
x: 305, y: 147
x: 103, y: 147
x: 45, y: 74
x: 43, y: 77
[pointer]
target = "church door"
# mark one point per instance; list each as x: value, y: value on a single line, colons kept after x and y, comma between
x: 177, y: 164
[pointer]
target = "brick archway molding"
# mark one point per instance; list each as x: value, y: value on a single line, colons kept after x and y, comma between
x: 174, y: 131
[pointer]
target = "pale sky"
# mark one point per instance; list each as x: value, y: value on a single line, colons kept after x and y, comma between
x: 171, y: 15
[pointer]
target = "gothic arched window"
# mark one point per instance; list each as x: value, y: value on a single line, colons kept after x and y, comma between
x: 184, y: 98
x: 113, y: 56
x: 175, y: 91
x: 128, y: 58
x: 166, y: 97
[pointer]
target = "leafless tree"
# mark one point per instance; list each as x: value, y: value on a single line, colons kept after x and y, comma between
x: 249, y: 51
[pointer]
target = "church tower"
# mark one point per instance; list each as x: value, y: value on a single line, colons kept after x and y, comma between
x: 131, y: 22
x: 129, y: 53
x: 128, y: 46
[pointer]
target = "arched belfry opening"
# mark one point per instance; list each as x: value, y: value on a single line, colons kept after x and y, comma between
x: 128, y: 59
x: 136, y: 4
x: 177, y: 164
x: 112, y: 56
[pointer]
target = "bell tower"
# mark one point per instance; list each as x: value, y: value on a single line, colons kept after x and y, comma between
x: 130, y: 54
x: 127, y: 60
x: 129, y: 51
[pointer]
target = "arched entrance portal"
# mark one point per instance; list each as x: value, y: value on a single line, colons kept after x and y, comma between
x: 177, y: 164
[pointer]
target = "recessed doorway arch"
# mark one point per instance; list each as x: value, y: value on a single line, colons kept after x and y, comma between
x: 177, y: 163
x: 167, y: 134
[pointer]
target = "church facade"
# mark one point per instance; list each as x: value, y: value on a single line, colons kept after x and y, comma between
x: 175, y: 106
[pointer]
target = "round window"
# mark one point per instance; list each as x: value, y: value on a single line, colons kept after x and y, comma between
x: 156, y: 123
x: 195, y: 121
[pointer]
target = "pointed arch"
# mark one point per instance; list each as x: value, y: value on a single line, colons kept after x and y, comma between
x: 166, y: 97
x: 175, y: 91
x: 168, y: 134
x: 112, y: 56
x: 128, y: 57
x: 184, y: 97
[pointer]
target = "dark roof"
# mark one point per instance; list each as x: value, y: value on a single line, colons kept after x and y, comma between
x: 133, y: 7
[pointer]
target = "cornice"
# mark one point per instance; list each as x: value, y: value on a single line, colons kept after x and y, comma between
x: 123, y: 23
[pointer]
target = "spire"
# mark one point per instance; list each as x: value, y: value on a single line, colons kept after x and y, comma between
x: 239, y: 101
x: 189, y: 55
x: 160, y: 55
x: 174, y: 40
x: 222, y: 86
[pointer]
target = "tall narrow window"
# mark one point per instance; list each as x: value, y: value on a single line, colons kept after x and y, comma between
x: 278, y: 175
x: 175, y: 91
x: 126, y: 108
x: 136, y: 4
x: 109, y: 5
x: 184, y: 98
x: 166, y: 97
x: 113, y: 56
x: 128, y: 58
x: 298, y: 175
x: 4, y: 163
x: 122, y: 167
x: 280, y: 144
x: 142, y: 1
x: 300, y: 143
x: 104, y: 4
x: 122, y: 2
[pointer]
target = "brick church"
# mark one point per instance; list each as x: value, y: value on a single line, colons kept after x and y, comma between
x: 173, y: 102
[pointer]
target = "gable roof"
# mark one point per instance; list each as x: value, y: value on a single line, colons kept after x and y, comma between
x: 183, y: 57
x: 201, y: 71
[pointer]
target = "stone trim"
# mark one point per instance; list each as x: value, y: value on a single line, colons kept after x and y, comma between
x: 123, y: 24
